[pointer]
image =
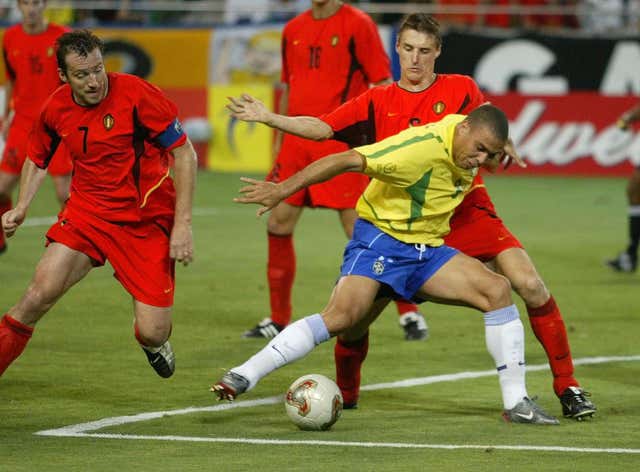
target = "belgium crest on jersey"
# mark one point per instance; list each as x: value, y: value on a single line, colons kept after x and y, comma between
x: 438, y: 107
x: 334, y: 40
x: 108, y: 121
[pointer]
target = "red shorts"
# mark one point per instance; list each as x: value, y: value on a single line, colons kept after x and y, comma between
x: 339, y: 193
x: 138, y: 252
x: 15, y: 151
x: 477, y: 230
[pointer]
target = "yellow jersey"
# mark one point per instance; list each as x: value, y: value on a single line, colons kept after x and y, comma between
x: 415, y: 184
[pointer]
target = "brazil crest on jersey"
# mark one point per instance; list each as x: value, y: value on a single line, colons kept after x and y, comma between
x: 416, y: 185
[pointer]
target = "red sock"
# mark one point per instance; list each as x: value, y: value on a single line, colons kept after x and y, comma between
x: 5, y: 205
x: 13, y: 339
x: 405, y: 306
x: 548, y: 326
x: 281, y: 270
x: 349, y: 357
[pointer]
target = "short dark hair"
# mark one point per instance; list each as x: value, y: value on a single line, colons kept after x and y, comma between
x: 82, y: 42
x: 492, y: 117
x: 422, y: 23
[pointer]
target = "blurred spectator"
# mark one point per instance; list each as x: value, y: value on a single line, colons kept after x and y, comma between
x: 549, y: 21
x: 466, y: 13
x: 603, y: 16
x: 246, y: 11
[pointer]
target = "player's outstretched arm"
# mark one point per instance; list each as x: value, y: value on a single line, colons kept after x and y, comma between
x: 248, y: 108
x: 269, y: 194
x: 181, y: 242
x: 30, y: 181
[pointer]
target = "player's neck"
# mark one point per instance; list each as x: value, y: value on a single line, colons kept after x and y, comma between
x: 320, y: 12
x: 406, y: 84
x: 35, y: 28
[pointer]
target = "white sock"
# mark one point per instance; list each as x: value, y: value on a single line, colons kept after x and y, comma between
x: 292, y: 343
x: 504, y: 335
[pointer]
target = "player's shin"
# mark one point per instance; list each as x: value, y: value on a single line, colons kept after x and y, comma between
x: 548, y: 326
x: 281, y: 269
x: 349, y: 356
x: 505, y: 341
x: 293, y: 343
x: 14, y: 337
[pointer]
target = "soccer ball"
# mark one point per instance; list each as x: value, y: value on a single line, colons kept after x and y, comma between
x: 313, y: 402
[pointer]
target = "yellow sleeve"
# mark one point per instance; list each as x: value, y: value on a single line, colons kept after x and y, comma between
x: 402, y: 159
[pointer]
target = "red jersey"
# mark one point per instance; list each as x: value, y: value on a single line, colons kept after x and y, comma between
x: 326, y: 62
x: 119, y: 148
x: 386, y: 110
x: 31, y: 65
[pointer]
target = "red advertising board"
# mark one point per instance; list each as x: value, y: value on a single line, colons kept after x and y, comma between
x: 571, y: 134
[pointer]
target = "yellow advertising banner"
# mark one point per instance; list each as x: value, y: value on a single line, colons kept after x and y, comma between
x: 238, y: 146
x: 165, y: 57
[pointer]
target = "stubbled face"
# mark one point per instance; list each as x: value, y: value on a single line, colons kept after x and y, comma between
x: 475, y: 145
x: 86, y: 76
x: 417, y: 53
x: 32, y: 12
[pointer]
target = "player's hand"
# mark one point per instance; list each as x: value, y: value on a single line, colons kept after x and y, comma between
x: 247, y: 108
x: 181, y: 243
x: 11, y: 220
x: 622, y: 123
x: 508, y: 157
x: 263, y: 193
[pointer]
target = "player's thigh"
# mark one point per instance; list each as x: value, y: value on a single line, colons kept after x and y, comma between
x: 357, y: 331
x: 283, y: 218
x: 466, y: 281
x: 57, y: 271
x: 516, y: 265
x: 61, y: 267
x: 351, y: 301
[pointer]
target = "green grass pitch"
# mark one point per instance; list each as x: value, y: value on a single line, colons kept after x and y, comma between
x: 83, y: 363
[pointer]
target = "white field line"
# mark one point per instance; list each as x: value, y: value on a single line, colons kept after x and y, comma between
x: 85, y: 430
x: 37, y: 221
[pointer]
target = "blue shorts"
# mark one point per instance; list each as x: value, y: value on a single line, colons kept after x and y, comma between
x: 402, y: 267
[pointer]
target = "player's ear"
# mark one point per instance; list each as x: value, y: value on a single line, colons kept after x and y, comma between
x: 62, y: 75
x: 438, y: 52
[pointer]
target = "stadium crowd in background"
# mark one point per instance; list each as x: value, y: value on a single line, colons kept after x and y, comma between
x: 592, y: 16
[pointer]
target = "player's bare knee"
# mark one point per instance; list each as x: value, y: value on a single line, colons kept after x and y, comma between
x: 340, y: 320
x: 498, y: 293
x: 281, y: 226
x: 154, y: 335
x: 532, y: 290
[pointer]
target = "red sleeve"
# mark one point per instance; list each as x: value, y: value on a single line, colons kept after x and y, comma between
x: 9, y: 73
x: 284, y: 72
x: 370, y: 52
x: 476, y: 96
x: 348, y: 113
x: 43, y: 139
x: 158, y: 115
